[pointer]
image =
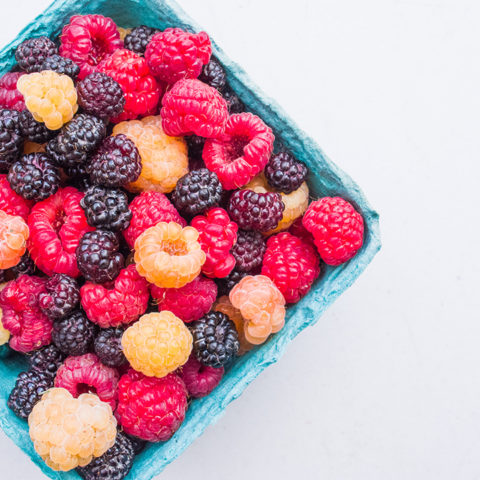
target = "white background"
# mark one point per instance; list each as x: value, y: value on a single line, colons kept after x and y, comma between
x: 386, y: 386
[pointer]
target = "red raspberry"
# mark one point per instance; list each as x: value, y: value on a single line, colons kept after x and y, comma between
x: 121, y: 304
x: 11, y: 202
x: 22, y: 317
x: 190, y: 302
x: 291, y: 264
x: 199, y: 379
x: 218, y: 234
x: 87, y: 40
x: 192, y: 107
x: 242, y: 153
x: 151, y: 408
x: 10, y: 97
x: 148, y: 209
x: 337, y: 229
x: 85, y: 374
x: 174, y: 54
x: 56, y: 226
x: 142, y: 91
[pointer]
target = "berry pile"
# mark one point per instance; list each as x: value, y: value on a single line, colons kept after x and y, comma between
x: 149, y: 235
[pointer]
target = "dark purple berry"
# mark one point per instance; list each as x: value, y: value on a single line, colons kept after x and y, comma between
x: 285, y: 173
x: 47, y: 360
x: 62, y: 297
x: 248, y: 251
x: 108, y: 347
x: 213, y: 74
x: 11, y: 141
x: 74, y: 334
x: 32, y: 130
x: 61, y: 65
x: 234, y: 104
x: 138, y: 39
x: 227, y: 283
x: 31, y: 53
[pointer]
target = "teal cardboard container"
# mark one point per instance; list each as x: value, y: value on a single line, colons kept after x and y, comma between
x: 325, y: 179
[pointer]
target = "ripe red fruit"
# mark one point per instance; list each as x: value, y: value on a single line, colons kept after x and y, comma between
x: 11, y: 202
x: 199, y: 379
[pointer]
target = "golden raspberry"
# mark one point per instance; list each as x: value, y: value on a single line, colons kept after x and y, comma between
x: 69, y: 432
x: 296, y: 203
x: 13, y: 239
x: 164, y: 158
x: 32, y: 147
x: 168, y: 255
x: 123, y: 32
x: 262, y: 306
x: 50, y: 97
x: 4, y: 333
x: 157, y: 344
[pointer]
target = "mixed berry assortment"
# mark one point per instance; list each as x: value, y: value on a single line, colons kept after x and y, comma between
x: 149, y: 235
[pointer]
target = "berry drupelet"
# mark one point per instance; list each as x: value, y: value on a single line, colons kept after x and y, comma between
x: 285, y: 173
x: 227, y: 283
x: 234, y: 104
x: 11, y: 140
x: 74, y: 334
x: 61, y: 65
x: 25, y: 266
x: 213, y: 74
x: 61, y: 298
x: 31, y: 53
x: 47, y: 360
x: 32, y: 130
x: 108, y: 347
x: 137, y: 40
x: 195, y: 146
x: 248, y: 251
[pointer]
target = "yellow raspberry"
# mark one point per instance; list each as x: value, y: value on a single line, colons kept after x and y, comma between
x: 14, y: 234
x: 50, y: 97
x: 168, y: 255
x: 123, y: 32
x: 69, y: 432
x: 157, y: 344
x: 4, y: 333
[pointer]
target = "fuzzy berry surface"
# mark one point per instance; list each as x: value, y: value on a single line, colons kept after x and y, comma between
x: 248, y: 251
x: 31, y: 53
x: 199, y: 379
x: 337, y: 229
x: 47, y: 360
x: 138, y: 39
x: 73, y: 334
x: 11, y: 202
x: 61, y: 297
x: 285, y: 173
x: 32, y: 130
x: 226, y: 284
x: 108, y: 347
x: 10, y: 96
x: 61, y: 65
x: 214, y: 75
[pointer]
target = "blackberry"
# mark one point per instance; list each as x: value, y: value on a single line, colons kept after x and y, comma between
x: 11, y: 141
x: 285, y: 173
x: 98, y: 257
x: 215, y: 339
x: 227, y: 283
x: 78, y: 177
x: 248, y: 251
x: 25, y: 266
x: 234, y: 104
x: 138, y: 39
x: 114, y: 464
x: 99, y: 94
x: 28, y: 390
x: 31, y: 53
x: 213, y: 74
x: 34, y: 176
x: 108, y: 347
x: 3, y: 276
x: 106, y: 208
x: 62, y: 297
x: 137, y: 443
x: 47, y: 360
x: 61, y: 65
x: 196, y: 191
x: 116, y: 163
x: 256, y: 211
x: 74, y: 334
x: 77, y: 140
x: 195, y: 146
x: 33, y: 130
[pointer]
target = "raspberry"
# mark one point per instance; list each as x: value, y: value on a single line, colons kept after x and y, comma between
x: 47, y: 360
x: 137, y: 39
x: 24, y: 267
x: 77, y: 140
x: 262, y: 306
x: 292, y: 264
x: 28, y: 390
x: 31, y: 53
x: 215, y: 339
x: 337, y: 229
x: 142, y: 92
x: 32, y: 130
x: 87, y: 40
x: 164, y: 158
x: 86, y: 373
x: 192, y: 107
x: 108, y: 347
x: 151, y: 408
x: 116, y: 163
x: 199, y: 379
x: 13, y: 239
x: 214, y: 75
x: 61, y: 65
x: 256, y: 211
x: 106, y: 208
x: 4, y: 333
x: 73, y: 334
x: 227, y: 283
x: 10, y: 97
x: 10, y: 138
x: 217, y: 236
x: 234, y: 104
x: 168, y: 255
x: 157, y: 344
x: 148, y: 209
x: 120, y: 304
x: 285, y: 173
x: 114, y: 464
x: 21, y: 316
x: 196, y: 191
x: 56, y: 226
x: 11, y: 202
x: 61, y: 297
x: 248, y: 251
x: 35, y: 176
x: 98, y: 257
x: 174, y: 54
x: 50, y: 97
x: 99, y: 94
x: 189, y: 303
x: 298, y: 230
x: 68, y: 432
x: 242, y: 153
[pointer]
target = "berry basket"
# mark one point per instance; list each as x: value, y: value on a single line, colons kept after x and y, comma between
x: 325, y: 179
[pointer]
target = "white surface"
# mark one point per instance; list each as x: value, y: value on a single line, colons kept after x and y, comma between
x: 386, y: 386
